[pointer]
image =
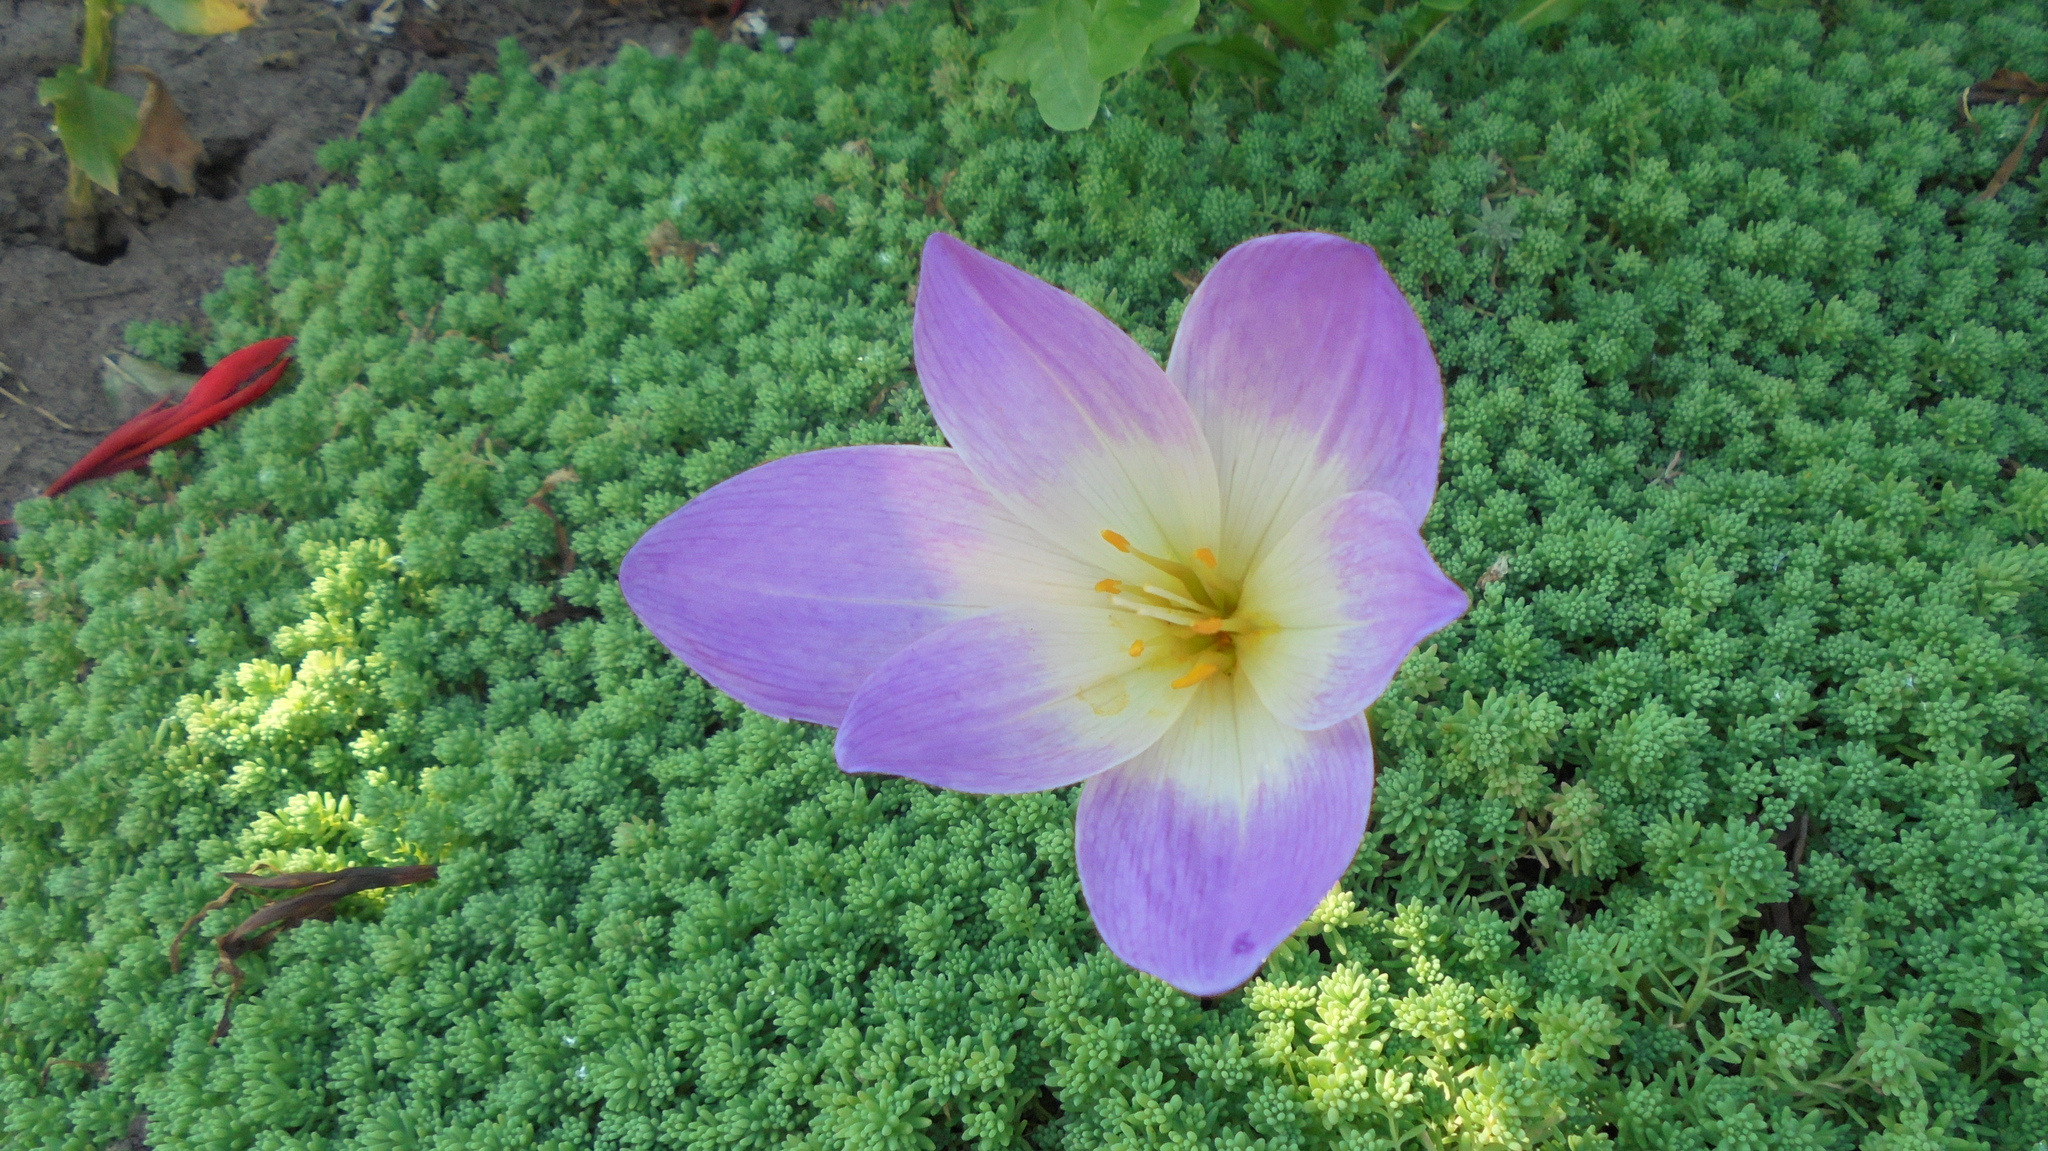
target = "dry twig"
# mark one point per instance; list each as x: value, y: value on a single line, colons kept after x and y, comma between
x: 565, y: 556
x: 45, y: 413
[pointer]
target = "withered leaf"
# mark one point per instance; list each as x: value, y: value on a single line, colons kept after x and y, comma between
x: 96, y: 1070
x: 323, y: 890
x: 431, y: 39
x: 165, y: 153
x: 663, y: 241
x: 666, y: 241
x: 565, y: 556
x: 2007, y: 86
x: 134, y: 383
x: 2012, y: 158
x: 2004, y: 87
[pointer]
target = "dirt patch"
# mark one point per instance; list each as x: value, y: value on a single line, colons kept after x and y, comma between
x: 260, y: 101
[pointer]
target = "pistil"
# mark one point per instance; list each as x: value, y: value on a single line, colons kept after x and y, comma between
x: 1155, y: 611
x: 1175, y: 598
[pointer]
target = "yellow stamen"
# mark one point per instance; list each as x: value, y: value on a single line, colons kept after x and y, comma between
x: 1111, y: 586
x: 1209, y: 626
x: 1207, y: 557
x: 1197, y: 674
x: 1137, y: 648
x: 1116, y: 541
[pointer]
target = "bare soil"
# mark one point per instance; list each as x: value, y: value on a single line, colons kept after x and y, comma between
x: 260, y: 101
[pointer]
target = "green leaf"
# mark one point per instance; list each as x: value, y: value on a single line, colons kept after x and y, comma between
x: 1421, y: 21
x: 1234, y: 55
x: 1298, y: 20
x: 1312, y: 24
x: 1533, y: 14
x: 1048, y: 50
x: 1016, y: 54
x: 1335, y: 12
x: 206, y: 17
x: 1065, y: 49
x: 1124, y: 30
x: 97, y: 124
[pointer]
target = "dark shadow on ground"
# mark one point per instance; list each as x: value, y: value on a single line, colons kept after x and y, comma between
x: 261, y: 101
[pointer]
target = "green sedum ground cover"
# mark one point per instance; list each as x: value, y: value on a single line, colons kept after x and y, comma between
x: 1715, y: 824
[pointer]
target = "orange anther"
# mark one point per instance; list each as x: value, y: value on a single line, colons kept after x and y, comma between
x: 1137, y: 647
x: 1197, y: 674
x: 1116, y: 541
x: 1207, y: 557
x: 1209, y: 626
x: 1111, y: 586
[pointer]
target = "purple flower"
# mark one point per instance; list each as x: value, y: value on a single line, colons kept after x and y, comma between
x: 1182, y: 586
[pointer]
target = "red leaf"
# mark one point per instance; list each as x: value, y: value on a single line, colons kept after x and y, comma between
x: 232, y: 369
x: 118, y: 441
x: 189, y: 423
x: 223, y: 390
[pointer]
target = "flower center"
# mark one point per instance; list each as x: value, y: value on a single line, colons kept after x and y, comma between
x: 1197, y: 604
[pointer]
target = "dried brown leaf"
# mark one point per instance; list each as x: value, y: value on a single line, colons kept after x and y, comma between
x: 666, y: 241
x: 431, y: 39
x: 323, y: 889
x: 2004, y: 87
x: 165, y: 153
x: 97, y: 1069
x: 934, y: 199
x: 2007, y: 86
x: 882, y: 395
x: 178, y: 940
x: 2012, y: 158
x: 565, y: 556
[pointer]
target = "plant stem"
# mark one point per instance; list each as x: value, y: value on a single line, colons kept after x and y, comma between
x: 1704, y: 982
x: 96, y: 60
x: 1410, y: 53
